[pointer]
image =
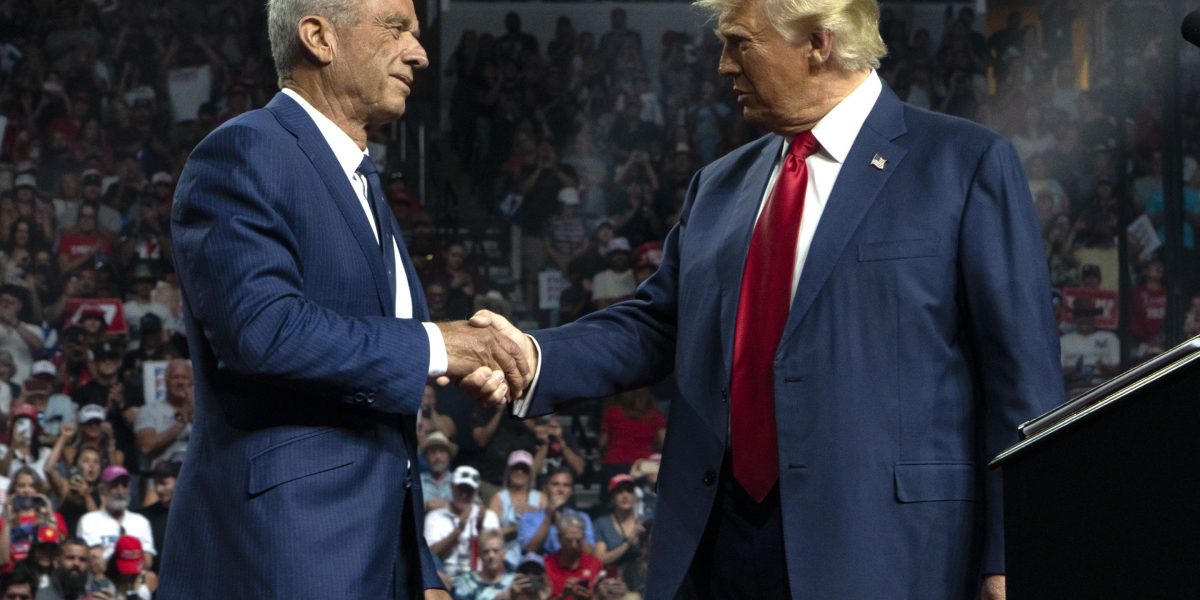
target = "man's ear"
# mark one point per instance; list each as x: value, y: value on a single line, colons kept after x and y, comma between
x: 318, y: 39
x: 821, y: 53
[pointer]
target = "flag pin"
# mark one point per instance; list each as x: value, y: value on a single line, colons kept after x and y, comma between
x: 879, y: 162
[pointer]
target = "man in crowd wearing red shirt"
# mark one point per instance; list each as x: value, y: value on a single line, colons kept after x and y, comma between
x: 572, y: 571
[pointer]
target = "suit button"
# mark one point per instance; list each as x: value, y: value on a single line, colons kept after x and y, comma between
x: 710, y: 478
x: 360, y: 397
x: 724, y: 395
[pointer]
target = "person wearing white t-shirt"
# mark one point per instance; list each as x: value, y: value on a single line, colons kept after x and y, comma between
x: 105, y: 526
x: 450, y: 529
x: 1089, y: 355
x: 617, y: 282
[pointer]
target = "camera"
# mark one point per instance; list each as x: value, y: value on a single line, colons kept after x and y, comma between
x: 26, y: 503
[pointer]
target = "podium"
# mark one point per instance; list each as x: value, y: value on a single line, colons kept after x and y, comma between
x: 1102, y: 495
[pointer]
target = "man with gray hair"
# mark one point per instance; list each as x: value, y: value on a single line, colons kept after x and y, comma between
x: 857, y: 311
x: 309, y: 332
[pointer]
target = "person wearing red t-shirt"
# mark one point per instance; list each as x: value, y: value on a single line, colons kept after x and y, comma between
x: 631, y: 428
x: 571, y: 571
x: 1149, y: 310
x: 81, y: 245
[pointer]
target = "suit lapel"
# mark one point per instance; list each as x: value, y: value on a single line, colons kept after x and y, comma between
x: 857, y: 186
x: 294, y: 119
x: 735, y: 242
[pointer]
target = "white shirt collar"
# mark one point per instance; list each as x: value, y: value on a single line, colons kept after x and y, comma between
x: 837, y: 130
x: 348, y: 154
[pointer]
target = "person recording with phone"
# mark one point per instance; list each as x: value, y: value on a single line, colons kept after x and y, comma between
x: 24, y: 448
x: 556, y: 449
x: 77, y: 491
x: 529, y: 581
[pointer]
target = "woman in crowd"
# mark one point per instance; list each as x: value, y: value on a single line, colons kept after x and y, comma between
x: 517, y: 498
x: 77, y: 493
x: 619, y: 533
x: 631, y: 428
x: 24, y: 448
x: 126, y: 570
x: 95, y: 432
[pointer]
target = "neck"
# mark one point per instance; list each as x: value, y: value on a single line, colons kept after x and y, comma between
x: 622, y: 513
x: 307, y: 85
x: 840, y: 84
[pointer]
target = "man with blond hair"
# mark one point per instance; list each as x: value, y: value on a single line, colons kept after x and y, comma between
x: 857, y: 311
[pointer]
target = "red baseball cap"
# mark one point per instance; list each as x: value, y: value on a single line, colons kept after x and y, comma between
x: 129, y: 555
x: 621, y: 478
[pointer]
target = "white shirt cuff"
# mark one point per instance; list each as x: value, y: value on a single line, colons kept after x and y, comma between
x: 520, y: 406
x: 439, y: 362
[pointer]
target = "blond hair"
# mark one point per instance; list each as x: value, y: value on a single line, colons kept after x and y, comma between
x: 857, y: 44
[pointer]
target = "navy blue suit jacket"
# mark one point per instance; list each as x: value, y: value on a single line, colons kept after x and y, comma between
x: 297, y: 480
x: 919, y: 338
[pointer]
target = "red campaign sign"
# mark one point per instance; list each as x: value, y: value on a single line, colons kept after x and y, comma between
x: 1106, y: 300
x: 113, y: 309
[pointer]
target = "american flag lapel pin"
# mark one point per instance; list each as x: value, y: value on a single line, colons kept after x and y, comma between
x: 879, y: 162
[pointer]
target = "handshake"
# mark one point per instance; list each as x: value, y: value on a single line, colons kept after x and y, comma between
x: 488, y: 357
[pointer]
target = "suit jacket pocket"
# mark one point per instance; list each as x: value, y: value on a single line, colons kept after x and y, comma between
x: 897, y: 249
x: 292, y: 459
x: 933, y: 482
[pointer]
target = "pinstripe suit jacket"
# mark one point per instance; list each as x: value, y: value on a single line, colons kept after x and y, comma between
x: 296, y: 483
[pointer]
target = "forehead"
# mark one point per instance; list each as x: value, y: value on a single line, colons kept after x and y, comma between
x: 741, y: 18
x: 392, y: 12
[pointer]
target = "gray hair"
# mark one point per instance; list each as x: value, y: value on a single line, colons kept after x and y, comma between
x: 569, y: 520
x: 284, y: 15
x: 857, y: 44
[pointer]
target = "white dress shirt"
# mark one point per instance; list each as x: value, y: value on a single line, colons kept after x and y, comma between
x: 349, y: 156
x: 835, y: 134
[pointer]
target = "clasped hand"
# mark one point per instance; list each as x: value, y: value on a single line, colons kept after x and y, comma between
x: 488, y: 357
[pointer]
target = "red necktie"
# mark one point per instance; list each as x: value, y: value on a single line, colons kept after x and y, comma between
x: 762, y: 312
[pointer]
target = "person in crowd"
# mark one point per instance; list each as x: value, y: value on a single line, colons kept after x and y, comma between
x: 105, y: 388
x: 514, y: 500
x: 9, y: 389
x: 539, y: 530
x: 1149, y: 311
x: 432, y: 420
x: 491, y: 578
x: 645, y: 475
x: 630, y: 428
x: 498, y: 436
x: 164, y: 428
x: 619, y: 534
x: 83, y: 245
x: 18, y: 585
x: 163, y: 477
x: 24, y: 448
x: 127, y: 570
x: 140, y: 303
x: 93, y: 431
x: 566, y: 235
x: 105, y: 526
x: 22, y: 340
x: 1089, y: 355
x: 453, y: 531
x: 572, y: 571
x: 69, y: 579
x: 79, y: 493
x: 436, y: 485
x: 557, y: 448
x: 616, y: 283
x: 529, y: 580
x: 55, y: 409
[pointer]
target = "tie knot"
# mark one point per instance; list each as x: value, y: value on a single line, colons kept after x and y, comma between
x: 367, y: 166
x: 804, y: 145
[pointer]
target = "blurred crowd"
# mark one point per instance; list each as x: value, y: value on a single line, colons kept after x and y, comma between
x: 571, y: 140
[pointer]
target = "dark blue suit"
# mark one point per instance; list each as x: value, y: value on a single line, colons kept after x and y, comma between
x: 296, y: 483
x: 920, y: 336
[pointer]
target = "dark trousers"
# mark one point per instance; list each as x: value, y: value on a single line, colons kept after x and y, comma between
x: 741, y: 554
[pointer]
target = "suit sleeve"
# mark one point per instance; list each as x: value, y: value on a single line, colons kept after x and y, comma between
x: 627, y: 345
x: 1007, y: 296
x: 240, y: 270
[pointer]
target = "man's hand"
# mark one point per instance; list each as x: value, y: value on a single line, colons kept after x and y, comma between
x: 488, y: 320
x: 993, y: 588
x: 436, y: 594
x: 478, y: 355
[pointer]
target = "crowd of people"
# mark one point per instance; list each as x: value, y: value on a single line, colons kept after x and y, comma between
x: 572, y: 140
